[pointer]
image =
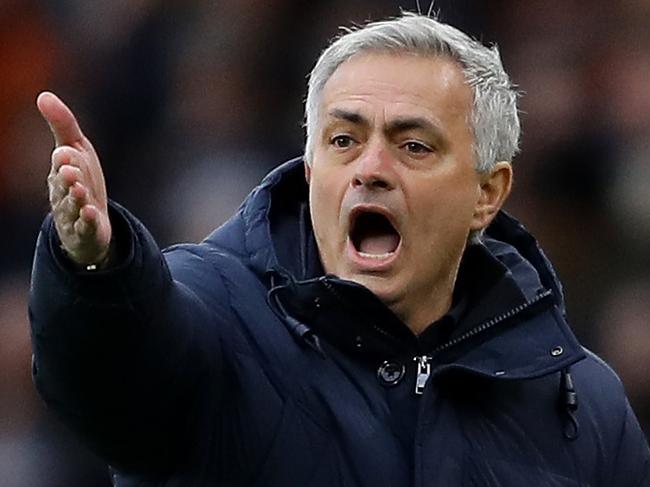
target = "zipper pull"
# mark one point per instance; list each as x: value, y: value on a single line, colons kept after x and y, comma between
x: 424, y: 371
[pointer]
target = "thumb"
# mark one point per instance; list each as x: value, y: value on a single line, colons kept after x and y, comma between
x: 60, y: 118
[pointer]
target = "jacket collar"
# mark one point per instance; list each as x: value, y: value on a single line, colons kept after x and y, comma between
x: 515, y: 326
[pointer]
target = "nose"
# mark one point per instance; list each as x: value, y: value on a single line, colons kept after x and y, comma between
x: 374, y: 169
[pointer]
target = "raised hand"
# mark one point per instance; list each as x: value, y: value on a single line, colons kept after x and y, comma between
x: 76, y: 185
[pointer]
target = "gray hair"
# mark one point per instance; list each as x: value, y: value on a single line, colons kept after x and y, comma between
x: 494, y: 119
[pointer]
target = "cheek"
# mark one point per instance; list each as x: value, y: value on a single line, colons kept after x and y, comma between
x: 325, y: 195
x: 315, y: 207
x: 445, y: 213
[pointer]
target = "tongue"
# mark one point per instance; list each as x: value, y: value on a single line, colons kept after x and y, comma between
x: 379, y: 244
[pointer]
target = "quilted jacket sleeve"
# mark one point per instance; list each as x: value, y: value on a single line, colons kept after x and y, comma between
x: 122, y: 355
x: 631, y: 466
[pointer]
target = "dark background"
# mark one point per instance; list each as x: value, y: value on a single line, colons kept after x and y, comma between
x: 189, y: 103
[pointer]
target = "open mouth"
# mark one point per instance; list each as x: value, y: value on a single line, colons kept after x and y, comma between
x: 373, y: 235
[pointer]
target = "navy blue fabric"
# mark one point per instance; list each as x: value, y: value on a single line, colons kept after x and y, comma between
x: 237, y: 362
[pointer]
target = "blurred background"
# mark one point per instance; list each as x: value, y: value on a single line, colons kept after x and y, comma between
x: 189, y: 103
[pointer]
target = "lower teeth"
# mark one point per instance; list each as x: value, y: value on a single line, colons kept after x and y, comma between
x: 376, y: 256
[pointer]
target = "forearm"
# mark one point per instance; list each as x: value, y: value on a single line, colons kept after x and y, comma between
x: 113, y: 347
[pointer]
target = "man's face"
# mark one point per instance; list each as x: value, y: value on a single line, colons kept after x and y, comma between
x: 393, y: 187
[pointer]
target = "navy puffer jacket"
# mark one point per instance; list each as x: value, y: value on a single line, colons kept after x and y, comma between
x: 236, y: 362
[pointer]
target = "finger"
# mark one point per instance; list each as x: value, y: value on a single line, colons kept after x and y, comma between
x: 68, y: 175
x: 72, y: 223
x: 60, y: 183
x: 58, y: 189
x: 79, y: 192
x: 88, y: 221
x: 75, y: 200
x: 98, y: 218
x: 57, y: 192
x: 64, y: 221
x: 62, y: 121
x: 66, y: 155
x: 67, y: 210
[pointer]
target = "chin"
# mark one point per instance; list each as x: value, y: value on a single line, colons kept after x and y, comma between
x: 385, y: 289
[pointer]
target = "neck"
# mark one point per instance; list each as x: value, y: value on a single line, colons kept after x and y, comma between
x: 425, y: 308
x: 422, y: 317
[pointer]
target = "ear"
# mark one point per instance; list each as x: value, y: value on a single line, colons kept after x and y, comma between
x: 307, y: 172
x: 494, y: 189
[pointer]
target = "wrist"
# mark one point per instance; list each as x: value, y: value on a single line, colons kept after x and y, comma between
x: 103, y: 262
x: 91, y: 264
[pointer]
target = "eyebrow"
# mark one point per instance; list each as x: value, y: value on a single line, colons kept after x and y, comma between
x: 400, y: 124
x: 410, y: 123
x: 352, y: 117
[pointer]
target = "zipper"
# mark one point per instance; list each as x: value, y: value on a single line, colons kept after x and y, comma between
x: 423, y: 373
x: 491, y: 323
x: 424, y: 361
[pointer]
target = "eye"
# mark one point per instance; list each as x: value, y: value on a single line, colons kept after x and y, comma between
x: 415, y: 147
x: 342, y: 141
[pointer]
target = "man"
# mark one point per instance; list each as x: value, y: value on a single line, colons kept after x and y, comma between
x: 368, y: 317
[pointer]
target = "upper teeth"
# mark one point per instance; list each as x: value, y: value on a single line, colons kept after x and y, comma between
x: 376, y: 256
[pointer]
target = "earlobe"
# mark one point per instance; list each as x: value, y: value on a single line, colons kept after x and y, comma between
x: 495, y: 188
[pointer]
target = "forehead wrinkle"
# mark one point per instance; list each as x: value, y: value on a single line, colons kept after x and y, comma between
x: 388, y: 93
x: 358, y: 86
x: 398, y: 115
x: 446, y: 74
